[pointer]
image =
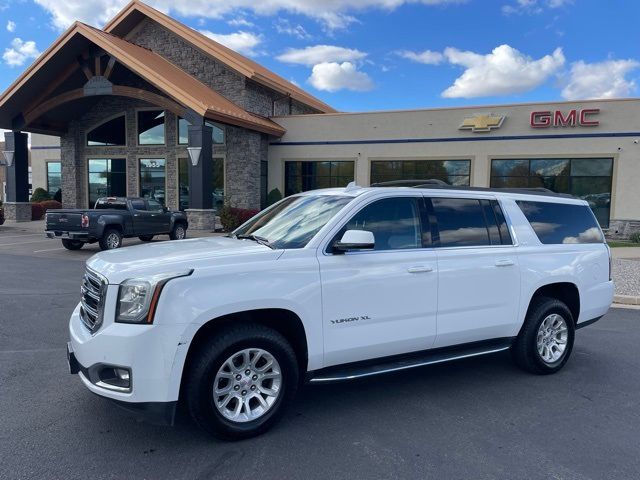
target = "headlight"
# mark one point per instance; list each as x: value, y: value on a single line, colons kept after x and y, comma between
x: 138, y: 298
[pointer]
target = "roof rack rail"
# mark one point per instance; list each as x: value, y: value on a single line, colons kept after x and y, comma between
x: 439, y: 184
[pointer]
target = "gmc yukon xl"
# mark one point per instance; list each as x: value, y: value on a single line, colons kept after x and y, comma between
x: 332, y: 285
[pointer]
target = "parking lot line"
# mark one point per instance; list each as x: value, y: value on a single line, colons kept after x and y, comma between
x: 22, y: 243
x: 25, y: 235
x: 48, y: 250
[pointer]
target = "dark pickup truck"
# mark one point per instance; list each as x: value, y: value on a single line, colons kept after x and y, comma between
x: 113, y: 219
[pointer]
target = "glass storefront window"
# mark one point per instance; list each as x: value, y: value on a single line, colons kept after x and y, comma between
x: 111, y: 133
x: 54, y: 177
x: 303, y: 176
x: 107, y: 178
x: 153, y: 179
x: 151, y: 127
x: 586, y: 178
x: 217, y: 135
x: 217, y: 187
x: 453, y: 172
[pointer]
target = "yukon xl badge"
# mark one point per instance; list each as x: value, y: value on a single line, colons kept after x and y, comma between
x: 350, y: 319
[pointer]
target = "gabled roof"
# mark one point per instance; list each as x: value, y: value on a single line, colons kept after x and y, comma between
x: 134, y: 12
x: 168, y: 78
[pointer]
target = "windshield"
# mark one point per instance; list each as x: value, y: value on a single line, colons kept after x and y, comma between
x: 294, y: 221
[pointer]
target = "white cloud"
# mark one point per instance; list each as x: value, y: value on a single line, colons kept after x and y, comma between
x: 427, y: 57
x: 334, y: 76
x: 242, y: 42
x: 20, y: 52
x: 240, y: 22
x: 285, y: 27
x: 320, y: 54
x: 606, y: 79
x: 11, y: 26
x: 533, y: 6
x: 333, y: 14
x: 504, y: 71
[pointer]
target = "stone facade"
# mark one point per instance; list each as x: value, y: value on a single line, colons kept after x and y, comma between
x: 17, y: 211
x: 622, y: 229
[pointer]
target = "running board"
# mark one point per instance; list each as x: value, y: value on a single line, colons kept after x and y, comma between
x: 396, y: 363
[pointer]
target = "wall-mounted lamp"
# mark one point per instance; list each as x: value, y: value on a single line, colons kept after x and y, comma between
x: 8, y: 156
x: 194, y: 155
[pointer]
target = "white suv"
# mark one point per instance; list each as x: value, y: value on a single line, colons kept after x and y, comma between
x: 337, y: 284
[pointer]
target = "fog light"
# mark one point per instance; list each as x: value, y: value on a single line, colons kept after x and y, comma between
x: 115, y: 378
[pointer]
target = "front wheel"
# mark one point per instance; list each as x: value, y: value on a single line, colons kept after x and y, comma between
x: 178, y: 232
x: 72, y: 244
x: 111, y: 239
x: 241, y: 381
x: 546, y: 339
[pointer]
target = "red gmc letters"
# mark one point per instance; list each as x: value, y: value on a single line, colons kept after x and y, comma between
x: 548, y: 118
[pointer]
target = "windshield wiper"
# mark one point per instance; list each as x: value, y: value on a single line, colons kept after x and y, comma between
x: 256, y: 238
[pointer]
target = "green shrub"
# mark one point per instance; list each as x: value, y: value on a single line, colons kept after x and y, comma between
x: 635, y: 237
x: 40, y: 195
x: 273, y: 196
x: 50, y: 205
x: 231, y: 217
x: 37, y: 211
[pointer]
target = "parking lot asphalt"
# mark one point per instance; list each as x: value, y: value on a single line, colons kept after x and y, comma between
x: 474, y: 419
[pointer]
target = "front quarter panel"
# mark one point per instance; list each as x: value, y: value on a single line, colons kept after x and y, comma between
x: 291, y: 282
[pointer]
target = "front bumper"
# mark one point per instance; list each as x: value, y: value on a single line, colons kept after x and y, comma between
x: 147, y: 352
x: 65, y: 235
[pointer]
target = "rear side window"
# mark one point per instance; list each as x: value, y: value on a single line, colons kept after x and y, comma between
x: 556, y: 223
x: 468, y: 222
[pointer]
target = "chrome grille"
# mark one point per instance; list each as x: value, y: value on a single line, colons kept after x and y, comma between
x: 92, y: 291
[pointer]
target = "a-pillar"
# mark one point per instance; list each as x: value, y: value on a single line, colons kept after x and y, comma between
x: 17, y: 207
x: 200, y: 213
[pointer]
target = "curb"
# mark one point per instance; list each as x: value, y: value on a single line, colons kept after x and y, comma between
x: 627, y: 299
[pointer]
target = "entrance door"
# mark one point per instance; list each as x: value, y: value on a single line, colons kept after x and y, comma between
x: 380, y: 302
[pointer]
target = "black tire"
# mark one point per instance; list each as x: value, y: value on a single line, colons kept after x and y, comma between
x: 178, y: 232
x: 525, y: 349
x: 209, y: 359
x: 72, y: 244
x: 111, y: 239
x: 146, y: 238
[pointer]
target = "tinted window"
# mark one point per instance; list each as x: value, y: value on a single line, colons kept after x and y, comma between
x: 105, y: 205
x: 562, y: 223
x: 112, y: 132
x: 395, y: 223
x: 505, y: 236
x: 138, y: 204
x: 151, y: 127
x: 461, y: 222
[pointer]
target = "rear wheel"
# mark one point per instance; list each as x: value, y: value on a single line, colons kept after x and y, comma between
x: 546, y: 339
x: 178, y: 232
x: 241, y: 381
x: 72, y: 244
x: 111, y: 239
x: 146, y: 238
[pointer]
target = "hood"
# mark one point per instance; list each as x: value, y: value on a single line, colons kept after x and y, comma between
x: 177, y: 256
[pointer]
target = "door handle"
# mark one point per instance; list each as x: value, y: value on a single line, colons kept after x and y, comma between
x: 420, y: 269
x: 504, y: 262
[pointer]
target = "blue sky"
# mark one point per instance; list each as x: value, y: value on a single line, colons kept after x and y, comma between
x: 389, y: 54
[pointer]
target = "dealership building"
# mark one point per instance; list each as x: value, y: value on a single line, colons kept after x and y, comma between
x: 149, y: 107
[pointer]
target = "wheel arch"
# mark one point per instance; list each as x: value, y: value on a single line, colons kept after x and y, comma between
x: 285, y: 322
x: 566, y: 292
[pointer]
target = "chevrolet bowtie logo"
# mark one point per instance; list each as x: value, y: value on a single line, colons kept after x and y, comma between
x: 482, y: 123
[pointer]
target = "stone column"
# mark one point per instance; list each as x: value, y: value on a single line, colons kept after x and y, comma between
x: 200, y: 213
x: 17, y: 207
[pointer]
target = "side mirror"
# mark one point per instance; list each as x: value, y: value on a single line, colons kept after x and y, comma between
x: 354, y: 240
x: 165, y: 209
